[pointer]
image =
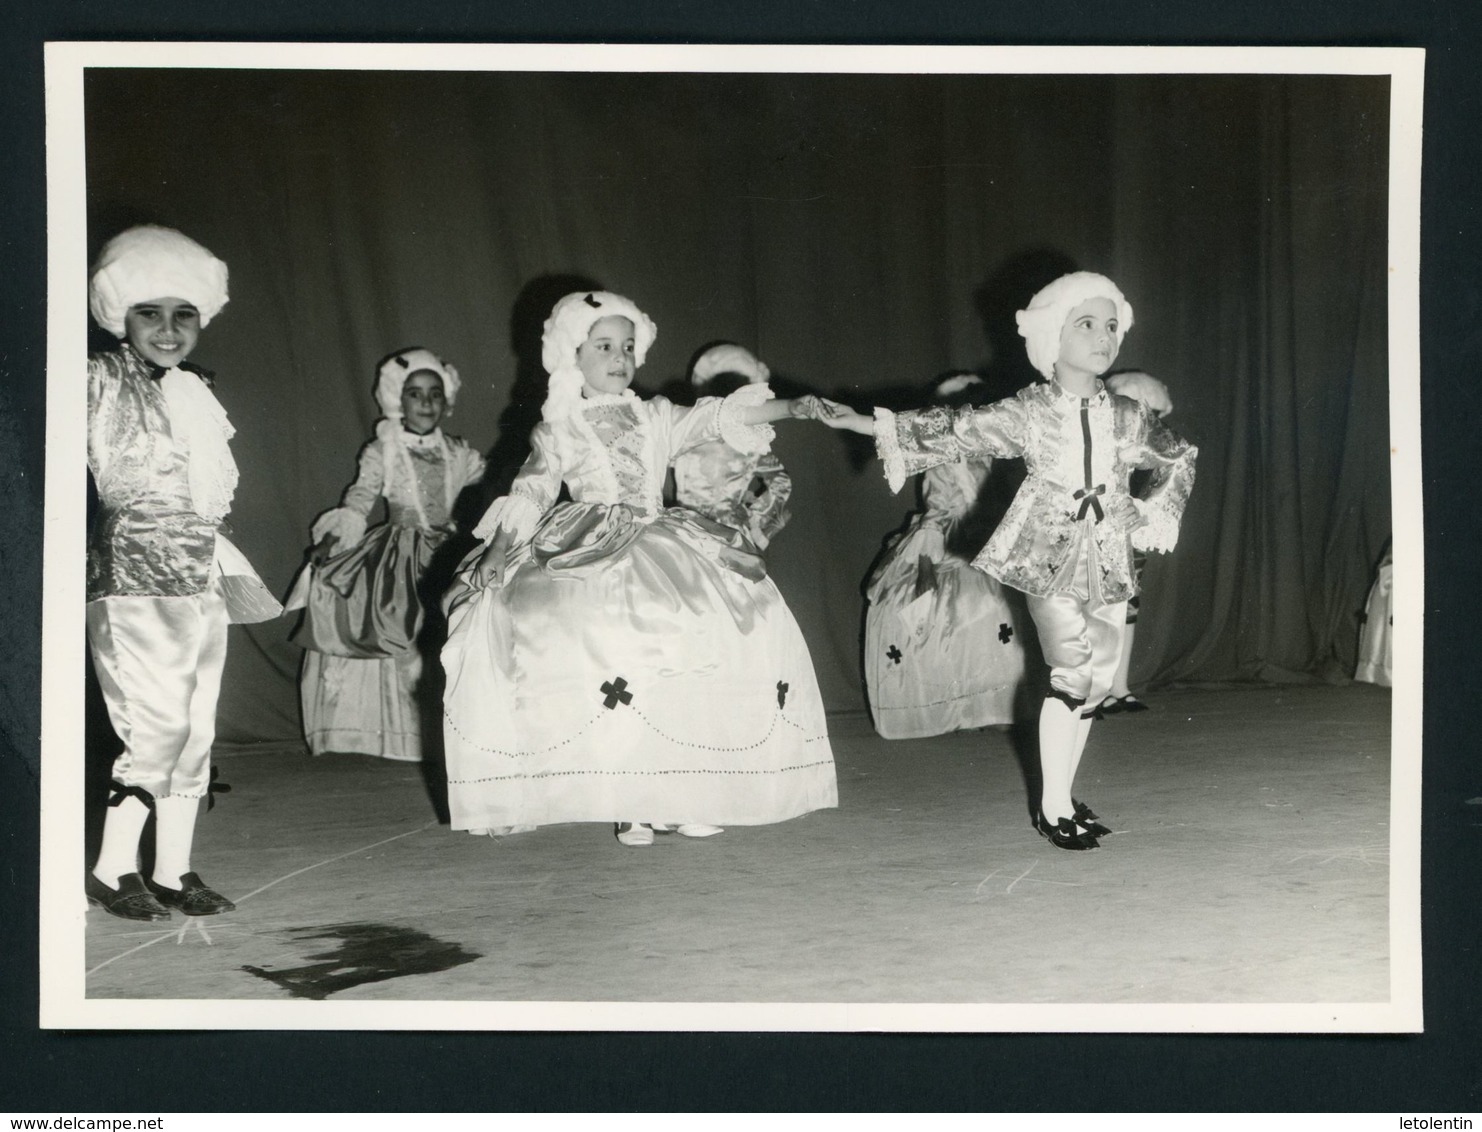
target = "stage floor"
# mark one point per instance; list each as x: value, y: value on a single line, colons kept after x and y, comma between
x: 1250, y: 866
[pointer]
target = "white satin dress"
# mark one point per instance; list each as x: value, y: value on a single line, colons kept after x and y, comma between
x: 637, y: 664
x: 944, y: 649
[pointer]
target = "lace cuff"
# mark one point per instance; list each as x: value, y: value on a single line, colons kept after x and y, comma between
x: 345, y: 523
x: 737, y: 433
x: 1159, y: 530
x: 514, y: 513
x: 887, y: 444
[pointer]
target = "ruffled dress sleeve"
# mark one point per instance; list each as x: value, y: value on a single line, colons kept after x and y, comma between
x: 717, y: 417
x: 469, y: 466
x: 913, y: 441
x: 534, y: 492
x: 347, y: 521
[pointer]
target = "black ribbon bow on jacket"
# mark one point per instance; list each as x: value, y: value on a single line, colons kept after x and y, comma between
x: 206, y: 375
x: 1089, y: 497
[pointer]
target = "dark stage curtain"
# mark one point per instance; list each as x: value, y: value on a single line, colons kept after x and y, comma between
x: 863, y: 234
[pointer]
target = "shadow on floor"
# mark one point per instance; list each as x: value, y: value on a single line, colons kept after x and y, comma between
x: 364, y: 953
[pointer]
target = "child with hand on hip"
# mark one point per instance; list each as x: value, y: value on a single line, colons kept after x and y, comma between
x: 1067, y: 539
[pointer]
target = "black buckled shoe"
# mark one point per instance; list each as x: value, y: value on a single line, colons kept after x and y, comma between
x: 131, y: 900
x: 1086, y: 818
x: 193, y: 897
x: 1064, y: 834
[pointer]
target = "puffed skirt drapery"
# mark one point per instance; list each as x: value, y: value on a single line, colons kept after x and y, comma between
x: 362, y: 687
x: 630, y: 669
x: 943, y: 647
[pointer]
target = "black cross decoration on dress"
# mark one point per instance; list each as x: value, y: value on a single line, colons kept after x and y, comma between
x: 615, y: 690
x: 1005, y: 631
x: 894, y: 654
x: 781, y: 694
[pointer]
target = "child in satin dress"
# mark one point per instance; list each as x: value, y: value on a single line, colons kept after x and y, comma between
x: 745, y: 490
x: 362, y: 685
x: 613, y: 660
x: 163, y: 579
x: 1067, y: 539
x: 942, y: 650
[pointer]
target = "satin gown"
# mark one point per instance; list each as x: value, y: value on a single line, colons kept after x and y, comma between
x: 637, y: 664
x: 716, y: 479
x: 362, y: 689
x: 943, y: 647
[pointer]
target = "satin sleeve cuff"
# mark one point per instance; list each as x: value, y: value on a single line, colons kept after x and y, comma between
x: 345, y: 523
x: 737, y: 433
x: 887, y: 444
x: 515, y: 513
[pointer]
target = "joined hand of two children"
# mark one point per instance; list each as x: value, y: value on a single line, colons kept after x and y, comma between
x: 833, y: 414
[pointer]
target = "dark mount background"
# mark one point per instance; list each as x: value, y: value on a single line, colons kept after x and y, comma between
x: 1435, y: 1072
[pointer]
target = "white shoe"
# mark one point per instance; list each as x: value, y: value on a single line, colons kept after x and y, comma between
x: 635, y: 833
x: 696, y: 829
x: 501, y: 830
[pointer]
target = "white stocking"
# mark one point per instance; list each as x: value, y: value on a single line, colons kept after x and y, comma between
x: 175, y: 829
x: 122, y: 828
x: 1124, y: 666
x: 1058, y: 732
x: 1083, y: 731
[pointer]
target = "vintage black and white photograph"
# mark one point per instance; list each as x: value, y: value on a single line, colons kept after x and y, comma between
x: 576, y: 537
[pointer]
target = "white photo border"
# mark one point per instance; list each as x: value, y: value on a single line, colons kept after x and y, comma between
x: 63, y: 1001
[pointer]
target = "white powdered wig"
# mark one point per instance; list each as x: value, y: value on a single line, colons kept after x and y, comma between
x: 1142, y: 387
x: 147, y: 263
x: 1041, y: 323
x: 570, y: 322
x: 729, y: 358
x: 391, y: 378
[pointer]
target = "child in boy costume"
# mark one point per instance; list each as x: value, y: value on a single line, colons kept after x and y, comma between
x: 1068, y: 536
x: 163, y: 579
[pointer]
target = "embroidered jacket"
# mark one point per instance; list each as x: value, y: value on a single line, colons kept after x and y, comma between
x: 1079, y: 454
x: 147, y: 541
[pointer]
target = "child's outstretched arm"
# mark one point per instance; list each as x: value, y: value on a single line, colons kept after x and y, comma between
x: 911, y: 442
x: 779, y: 409
x: 839, y: 416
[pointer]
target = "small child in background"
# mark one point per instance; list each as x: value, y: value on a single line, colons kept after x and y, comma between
x: 163, y: 580
x: 362, y: 684
x: 1153, y: 393
x: 744, y: 490
x: 1067, y: 539
x: 942, y: 651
